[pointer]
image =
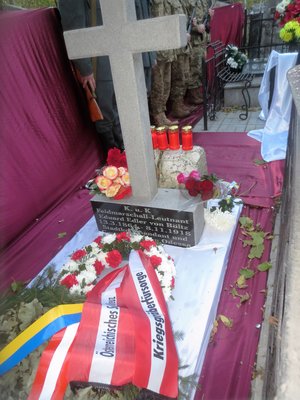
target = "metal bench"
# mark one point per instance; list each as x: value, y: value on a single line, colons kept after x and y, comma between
x: 216, y: 74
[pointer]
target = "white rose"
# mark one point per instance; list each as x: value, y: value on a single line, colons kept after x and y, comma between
x: 75, y: 289
x: 108, y: 239
x: 71, y: 266
x: 136, y: 238
x: 102, y: 258
x: 87, y: 289
x: 86, y: 277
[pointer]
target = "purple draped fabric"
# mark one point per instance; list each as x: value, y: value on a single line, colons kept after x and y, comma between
x: 49, y: 148
x: 232, y: 156
x: 231, y: 354
x: 227, y: 24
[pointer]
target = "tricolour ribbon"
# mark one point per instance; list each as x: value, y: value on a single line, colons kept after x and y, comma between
x: 41, y: 330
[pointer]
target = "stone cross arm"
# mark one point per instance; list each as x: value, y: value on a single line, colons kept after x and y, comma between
x: 162, y: 33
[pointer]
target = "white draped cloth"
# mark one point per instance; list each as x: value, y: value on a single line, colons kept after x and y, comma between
x: 273, y: 136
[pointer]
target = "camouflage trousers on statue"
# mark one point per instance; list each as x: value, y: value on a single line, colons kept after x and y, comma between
x: 160, y: 87
x: 195, y: 78
x: 180, y: 77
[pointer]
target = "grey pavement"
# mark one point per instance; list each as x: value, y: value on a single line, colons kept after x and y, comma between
x: 229, y: 121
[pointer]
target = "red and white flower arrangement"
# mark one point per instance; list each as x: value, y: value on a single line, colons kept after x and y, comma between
x: 287, y: 10
x: 218, y: 212
x: 113, y: 180
x: 81, y: 272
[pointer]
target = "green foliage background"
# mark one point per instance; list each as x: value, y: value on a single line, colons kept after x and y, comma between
x: 29, y: 3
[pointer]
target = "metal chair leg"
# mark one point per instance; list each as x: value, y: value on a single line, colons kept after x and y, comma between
x: 246, y: 96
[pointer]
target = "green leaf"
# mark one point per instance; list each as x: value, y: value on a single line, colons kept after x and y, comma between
x: 234, y: 292
x: 245, y: 297
x: 265, y: 266
x: 247, y: 242
x: 257, y: 237
x: 246, y: 223
x: 259, y: 161
x: 226, y: 321
x: 256, y: 251
x: 241, y: 282
x: 61, y: 235
x: 247, y: 273
x: 17, y: 286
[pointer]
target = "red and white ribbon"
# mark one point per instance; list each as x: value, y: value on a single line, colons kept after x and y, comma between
x: 124, y: 336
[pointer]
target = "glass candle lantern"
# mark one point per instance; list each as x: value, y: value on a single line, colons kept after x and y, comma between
x: 187, y: 138
x: 173, y: 134
x: 162, y: 139
x: 154, y: 137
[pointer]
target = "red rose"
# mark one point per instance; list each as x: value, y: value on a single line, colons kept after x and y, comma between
x: 114, y: 258
x: 69, y: 281
x: 193, y: 192
x: 123, y: 236
x: 98, y: 240
x: 147, y: 244
x: 207, y: 195
x: 198, y: 186
x: 78, y: 255
x: 116, y: 158
x: 99, y: 267
x: 155, y: 261
x: 190, y: 184
x: 206, y: 185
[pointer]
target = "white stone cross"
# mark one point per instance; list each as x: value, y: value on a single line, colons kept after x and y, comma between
x: 123, y: 38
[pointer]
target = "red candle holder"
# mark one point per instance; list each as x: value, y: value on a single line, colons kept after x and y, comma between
x: 173, y: 133
x: 187, y: 138
x: 154, y: 137
x: 162, y: 138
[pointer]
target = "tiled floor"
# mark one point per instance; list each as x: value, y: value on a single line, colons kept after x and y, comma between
x: 230, y: 122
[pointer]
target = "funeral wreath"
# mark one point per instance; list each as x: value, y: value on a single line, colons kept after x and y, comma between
x: 85, y: 265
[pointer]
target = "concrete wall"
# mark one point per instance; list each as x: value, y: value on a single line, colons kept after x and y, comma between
x: 282, y: 370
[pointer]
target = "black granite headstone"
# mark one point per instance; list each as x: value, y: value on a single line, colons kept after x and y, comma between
x: 166, y: 225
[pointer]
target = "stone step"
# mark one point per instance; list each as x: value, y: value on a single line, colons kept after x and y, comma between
x: 233, y: 93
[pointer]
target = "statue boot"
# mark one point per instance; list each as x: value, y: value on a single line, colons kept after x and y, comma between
x: 194, y: 96
x: 160, y: 119
x: 179, y: 109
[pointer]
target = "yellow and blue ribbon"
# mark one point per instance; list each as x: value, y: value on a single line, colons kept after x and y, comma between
x: 37, y: 333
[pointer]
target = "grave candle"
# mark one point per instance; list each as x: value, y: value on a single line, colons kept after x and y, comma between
x: 162, y: 138
x: 174, y: 137
x: 154, y: 137
x: 187, y: 138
